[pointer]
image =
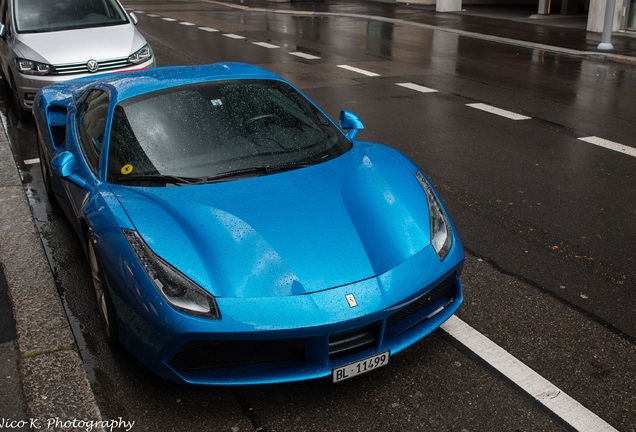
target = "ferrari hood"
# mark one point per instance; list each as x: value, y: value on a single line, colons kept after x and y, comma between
x: 290, y: 233
x: 81, y: 45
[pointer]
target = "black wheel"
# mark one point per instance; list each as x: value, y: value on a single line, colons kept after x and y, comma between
x: 102, y: 296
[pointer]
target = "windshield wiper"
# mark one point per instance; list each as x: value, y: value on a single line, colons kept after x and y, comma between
x: 159, y: 178
x: 259, y: 170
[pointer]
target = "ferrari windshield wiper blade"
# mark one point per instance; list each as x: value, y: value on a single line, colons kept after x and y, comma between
x: 241, y: 172
x: 159, y: 178
x: 261, y: 170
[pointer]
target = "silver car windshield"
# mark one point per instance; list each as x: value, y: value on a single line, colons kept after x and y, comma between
x: 219, y: 130
x: 34, y: 16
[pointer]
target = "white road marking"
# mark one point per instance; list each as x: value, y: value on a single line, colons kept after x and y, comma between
x: 304, y: 55
x: 153, y: 15
x: 208, y: 29
x: 542, y: 390
x: 630, y: 151
x: 266, y: 45
x: 169, y: 19
x: 498, y: 111
x: 185, y: 23
x: 233, y: 36
x: 417, y: 87
x: 360, y: 71
x: 32, y: 161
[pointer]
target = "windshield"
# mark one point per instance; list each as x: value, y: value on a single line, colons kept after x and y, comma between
x: 219, y: 130
x: 45, y: 15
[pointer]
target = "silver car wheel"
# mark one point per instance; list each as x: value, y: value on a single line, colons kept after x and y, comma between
x: 104, y: 304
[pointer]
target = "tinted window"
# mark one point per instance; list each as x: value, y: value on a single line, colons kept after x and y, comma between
x: 48, y: 15
x: 212, y: 128
x: 91, y: 121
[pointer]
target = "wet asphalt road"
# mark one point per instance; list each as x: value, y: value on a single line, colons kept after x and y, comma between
x: 547, y: 221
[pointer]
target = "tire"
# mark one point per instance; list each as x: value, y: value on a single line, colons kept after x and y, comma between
x: 105, y: 306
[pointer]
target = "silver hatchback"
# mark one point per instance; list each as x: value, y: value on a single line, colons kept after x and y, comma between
x: 43, y: 42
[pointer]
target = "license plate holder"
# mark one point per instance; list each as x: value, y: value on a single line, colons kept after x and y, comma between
x: 360, y: 367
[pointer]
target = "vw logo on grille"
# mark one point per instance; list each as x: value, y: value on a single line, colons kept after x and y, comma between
x: 92, y: 66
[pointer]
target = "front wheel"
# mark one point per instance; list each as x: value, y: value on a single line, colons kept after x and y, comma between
x: 102, y: 296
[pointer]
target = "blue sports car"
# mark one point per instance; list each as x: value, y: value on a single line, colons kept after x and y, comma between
x: 235, y: 235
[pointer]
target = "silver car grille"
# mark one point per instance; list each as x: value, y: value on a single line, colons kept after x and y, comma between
x: 80, y: 68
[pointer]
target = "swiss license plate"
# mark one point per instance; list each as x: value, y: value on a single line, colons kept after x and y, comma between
x: 361, y: 366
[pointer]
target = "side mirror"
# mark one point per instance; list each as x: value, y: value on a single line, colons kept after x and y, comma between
x: 133, y: 18
x: 351, y: 123
x: 3, y: 31
x: 64, y: 166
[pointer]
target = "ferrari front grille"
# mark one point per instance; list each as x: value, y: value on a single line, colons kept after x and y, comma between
x: 350, y: 342
x: 218, y: 354
x: 445, y: 289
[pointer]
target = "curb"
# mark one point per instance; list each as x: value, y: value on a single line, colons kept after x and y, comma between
x: 54, y: 383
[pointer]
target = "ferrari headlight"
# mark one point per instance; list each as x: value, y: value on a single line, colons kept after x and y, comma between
x: 141, y: 55
x: 30, y: 67
x: 441, y: 232
x: 179, y: 291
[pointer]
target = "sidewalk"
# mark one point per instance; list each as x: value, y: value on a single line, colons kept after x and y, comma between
x: 43, y: 378
x: 42, y: 375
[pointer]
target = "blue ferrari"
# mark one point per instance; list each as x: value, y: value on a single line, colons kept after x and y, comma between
x: 235, y: 235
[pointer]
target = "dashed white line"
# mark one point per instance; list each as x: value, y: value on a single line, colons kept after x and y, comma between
x: 304, y: 55
x: 630, y: 151
x: 233, y: 36
x: 31, y: 161
x: 266, y: 45
x: 601, y: 142
x: 498, y: 111
x: 527, y: 379
x: 417, y: 87
x: 360, y: 71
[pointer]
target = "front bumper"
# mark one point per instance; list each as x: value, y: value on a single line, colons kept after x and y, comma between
x: 284, y: 339
x: 315, y: 354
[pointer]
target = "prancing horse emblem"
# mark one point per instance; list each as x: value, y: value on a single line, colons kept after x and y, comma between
x: 352, y: 300
x: 92, y: 66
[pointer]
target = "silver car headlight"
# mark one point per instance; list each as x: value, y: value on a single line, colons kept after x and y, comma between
x: 30, y: 67
x: 179, y: 291
x: 441, y: 232
x: 141, y: 55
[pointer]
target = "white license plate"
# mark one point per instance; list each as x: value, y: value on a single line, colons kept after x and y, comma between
x: 358, y: 368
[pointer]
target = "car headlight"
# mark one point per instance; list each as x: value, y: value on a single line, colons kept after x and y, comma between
x: 30, y: 67
x: 141, y: 55
x: 441, y: 232
x: 179, y: 291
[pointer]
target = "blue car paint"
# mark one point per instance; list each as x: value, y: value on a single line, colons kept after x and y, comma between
x: 278, y: 252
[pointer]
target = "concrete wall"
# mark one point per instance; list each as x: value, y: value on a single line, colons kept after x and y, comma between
x: 596, y: 16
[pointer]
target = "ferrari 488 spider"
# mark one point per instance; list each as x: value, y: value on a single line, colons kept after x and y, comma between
x: 235, y: 234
